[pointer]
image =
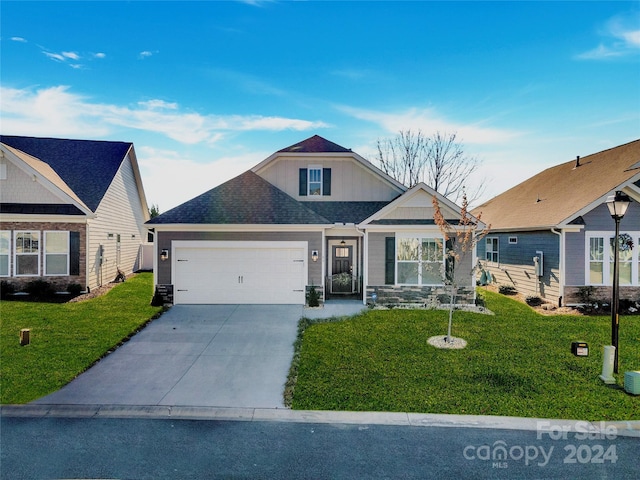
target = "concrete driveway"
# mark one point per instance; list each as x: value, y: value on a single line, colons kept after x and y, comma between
x: 196, y: 355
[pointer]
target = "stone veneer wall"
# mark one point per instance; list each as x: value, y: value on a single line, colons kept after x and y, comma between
x: 600, y: 294
x: 390, y: 295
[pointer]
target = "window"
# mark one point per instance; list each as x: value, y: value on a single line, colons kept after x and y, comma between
x: 315, y: 181
x: 5, y: 243
x: 420, y: 261
x: 491, y: 251
x: 600, y: 261
x: 27, y: 253
x: 56, y: 247
x: 513, y: 240
x: 342, y: 252
x: 596, y: 261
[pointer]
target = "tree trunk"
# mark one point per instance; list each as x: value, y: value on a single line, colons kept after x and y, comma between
x: 452, y: 301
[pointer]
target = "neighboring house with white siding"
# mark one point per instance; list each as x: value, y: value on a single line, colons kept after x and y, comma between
x: 71, y: 211
x: 552, y: 235
x: 312, y: 215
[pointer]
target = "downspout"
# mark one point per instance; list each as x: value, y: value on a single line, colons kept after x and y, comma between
x: 323, y: 268
x: 365, y: 263
x: 562, y: 265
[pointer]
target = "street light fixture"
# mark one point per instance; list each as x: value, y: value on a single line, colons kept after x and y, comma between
x: 618, y: 205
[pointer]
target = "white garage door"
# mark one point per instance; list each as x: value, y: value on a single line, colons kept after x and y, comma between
x: 239, y: 272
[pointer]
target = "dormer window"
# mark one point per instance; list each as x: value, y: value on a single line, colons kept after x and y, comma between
x: 315, y: 181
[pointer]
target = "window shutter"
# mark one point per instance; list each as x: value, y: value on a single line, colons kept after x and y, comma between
x: 390, y: 261
x: 303, y: 182
x: 449, y: 262
x: 326, y: 181
x: 74, y: 253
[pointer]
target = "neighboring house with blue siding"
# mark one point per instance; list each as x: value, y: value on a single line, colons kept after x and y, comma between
x: 553, y: 234
x: 71, y: 211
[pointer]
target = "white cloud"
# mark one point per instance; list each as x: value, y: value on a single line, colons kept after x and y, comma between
x: 160, y: 104
x: 50, y: 111
x: 428, y: 120
x: 19, y: 39
x: 55, y: 56
x: 57, y: 111
x: 99, y: 55
x: 170, y: 179
x: 71, y: 55
x: 622, y: 38
x: 145, y: 54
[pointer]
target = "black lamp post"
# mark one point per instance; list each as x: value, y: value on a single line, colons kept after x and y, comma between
x: 617, y: 204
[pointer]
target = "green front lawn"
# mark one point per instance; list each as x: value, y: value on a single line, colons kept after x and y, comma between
x: 66, y: 338
x: 516, y: 363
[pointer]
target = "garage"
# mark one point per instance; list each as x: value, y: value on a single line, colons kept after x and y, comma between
x: 217, y: 272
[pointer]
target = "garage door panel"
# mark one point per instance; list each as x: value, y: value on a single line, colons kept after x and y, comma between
x: 247, y: 272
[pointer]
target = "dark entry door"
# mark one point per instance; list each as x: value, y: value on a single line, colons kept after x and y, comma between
x: 342, y: 269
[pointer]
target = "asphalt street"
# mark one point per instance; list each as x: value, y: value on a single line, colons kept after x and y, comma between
x: 135, y: 448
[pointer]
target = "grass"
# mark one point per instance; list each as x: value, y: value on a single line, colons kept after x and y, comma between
x: 67, y: 338
x: 516, y: 363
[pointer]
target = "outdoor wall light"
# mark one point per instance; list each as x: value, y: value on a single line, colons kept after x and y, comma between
x: 314, y: 255
x: 617, y: 205
x: 164, y: 254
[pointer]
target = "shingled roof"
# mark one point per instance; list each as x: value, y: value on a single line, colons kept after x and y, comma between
x: 316, y: 144
x: 86, y: 166
x: 557, y: 195
x: 246, y: 199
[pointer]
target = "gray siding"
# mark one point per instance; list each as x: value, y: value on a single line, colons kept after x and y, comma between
x: 376, y: 260
x: 314, y: 239
x: 515, y: 266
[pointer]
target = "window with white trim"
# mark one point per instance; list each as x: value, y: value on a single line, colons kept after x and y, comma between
x: 419, y: 261
x: 5, y: 251
x: 27, y: 253
x: 491, y: 251
x: 56, y: 253
x: 315, y: 181
x: 600, y: 258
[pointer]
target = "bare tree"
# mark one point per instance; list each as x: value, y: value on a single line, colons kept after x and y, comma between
x: 438, y: 160
x: 460, y: 241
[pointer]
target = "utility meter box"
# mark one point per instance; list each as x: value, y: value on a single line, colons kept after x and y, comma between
x: 580, y: 349
x: 632, y: 383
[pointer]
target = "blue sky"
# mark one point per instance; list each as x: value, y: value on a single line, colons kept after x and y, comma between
x: 205, y: 89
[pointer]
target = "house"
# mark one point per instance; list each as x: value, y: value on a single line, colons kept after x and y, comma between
x: 71, y: 211
x: 312, y: 215
x: 552, y: 235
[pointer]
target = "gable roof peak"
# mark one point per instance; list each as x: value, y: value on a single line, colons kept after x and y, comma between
x: 315, y: 144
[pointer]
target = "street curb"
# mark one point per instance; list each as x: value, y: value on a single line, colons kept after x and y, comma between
x: 630, y: 428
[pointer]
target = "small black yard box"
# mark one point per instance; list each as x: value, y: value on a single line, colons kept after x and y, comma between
x: 580, y: 349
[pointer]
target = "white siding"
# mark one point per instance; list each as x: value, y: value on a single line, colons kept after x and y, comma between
x: 20, y: 188
x: 120, y: 212
x: 350, y: 181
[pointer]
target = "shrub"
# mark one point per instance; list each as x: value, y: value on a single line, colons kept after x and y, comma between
x: 507, y: 290
x: 313, y: 297
x: 74, y: 289
x: 585, y: 294
x: 533, y: 301
x: 40, y: 289
x: 6, y: 289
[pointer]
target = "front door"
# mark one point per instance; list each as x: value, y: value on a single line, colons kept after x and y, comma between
x: 342, y: 269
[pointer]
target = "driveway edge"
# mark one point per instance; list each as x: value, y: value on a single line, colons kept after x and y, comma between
x: 629, y: 428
